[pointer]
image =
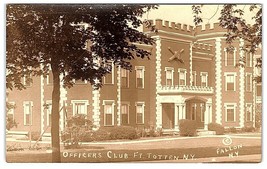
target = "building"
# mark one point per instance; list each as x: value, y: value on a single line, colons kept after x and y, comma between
x: 190, y: 75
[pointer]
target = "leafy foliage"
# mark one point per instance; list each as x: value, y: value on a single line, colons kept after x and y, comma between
x: 10, y: 122
x: 218, y: 128
x: 187, y: 127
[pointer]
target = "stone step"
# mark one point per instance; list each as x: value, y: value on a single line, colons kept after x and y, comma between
x: 202, y: 132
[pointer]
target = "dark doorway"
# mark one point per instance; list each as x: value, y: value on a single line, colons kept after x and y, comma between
x: 168, y: 115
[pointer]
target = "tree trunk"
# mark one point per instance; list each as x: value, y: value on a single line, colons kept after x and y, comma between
x: 55, y: 115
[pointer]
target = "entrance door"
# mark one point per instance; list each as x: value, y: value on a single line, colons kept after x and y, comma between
x: 168, y: 115
x: 196, y: 112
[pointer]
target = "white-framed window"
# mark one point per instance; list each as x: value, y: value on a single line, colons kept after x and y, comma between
x: 230, y: 57
x: 248, y: 82
x: 124, y: 78
x: 49, y: 77
x: 140, y: 76
x: 140, y: 112
x: 125, y: 113
x: 79, y: 106
x: 202, y: 112
x: 248, y: 59
x: 230, y: 81
x: 204, y: 78
x: 193, y: 111
x: 27, y: 107
x: 11, y: 111
x: 182, y: 77
x: 248, y: 111
x: 169, y: 76
x: 194, y: 82
x: 230, y: 112
x: 48, y: 108
x: 108, y: 106
x: 109, y: 77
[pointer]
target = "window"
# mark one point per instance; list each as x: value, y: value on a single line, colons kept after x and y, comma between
x: 79, y: 106
x: 259, y: 90
x: 124, y: 78
x: 27, y: 80
x: 48, y: 108
x: 108, y: 113
x: 139, y: 76
x: 248, y: 112
x: 204, y: 79
x: 194, y: 74
x: 11, y: 110
x: 109, y: 77
x: 124, y: 113
x: 169, y: 76
x: 194, y: 111
x: 182, y: 77
x: 27, y: 106
x: 248, y: 60
x: 248, y: 82
x: 229, y: 57
x: 140, y: 112
x: 230, y: 81
x: 49, y: 78
x: 202, y: 112
x: 230, y: 112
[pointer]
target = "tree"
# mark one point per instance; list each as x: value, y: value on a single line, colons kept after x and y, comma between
x: 39, y: 36
x: 231, y: 18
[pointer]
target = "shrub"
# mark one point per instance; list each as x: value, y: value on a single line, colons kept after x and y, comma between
x: 248, y: 129
x: 219, y: 129
x: 232, y: 130
x: 122, y: 132
x: 187, y: 127
x: 34, y: 135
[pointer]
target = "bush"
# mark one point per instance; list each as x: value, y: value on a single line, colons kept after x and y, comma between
x: 187, y: 127
x: 219, y: 129
x: 248, y: 129
x: 232, y: 130
x: 34, y: 135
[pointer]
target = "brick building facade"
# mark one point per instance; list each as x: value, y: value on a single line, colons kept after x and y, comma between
x: 190, y: 75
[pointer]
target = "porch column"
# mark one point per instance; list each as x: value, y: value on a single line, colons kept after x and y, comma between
x: 159, y: 115
x: 183, y: 110
x: 207, y: 116
x: 176, y: 116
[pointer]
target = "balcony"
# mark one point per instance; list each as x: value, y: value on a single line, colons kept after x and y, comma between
x: 185, y: 89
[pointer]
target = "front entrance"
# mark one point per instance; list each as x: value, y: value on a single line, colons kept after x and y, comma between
x: 196, y: 111
x: 168, y: 115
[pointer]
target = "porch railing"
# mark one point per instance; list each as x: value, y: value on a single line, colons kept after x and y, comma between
x: 186, y: 89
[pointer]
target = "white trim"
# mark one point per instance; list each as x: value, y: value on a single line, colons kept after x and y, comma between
x: 86, y: 103
x: 197, y: 57
x: 250, y: 59
x: 226, y: 57
x: 218, y: 81
x: 185, y: 72
x: 229, y: 106
x: 24, y: 113
x: 143, y: 111
x: 251, y: 112
x: 241, y: 88
x: 191, y: 63
x: 142, y: 68
x: 172, y: 72
x: 202, y: 112
x: 96, y: 108
x: 194, y: 76
x: 112, y: 103
x: 206, y: 74
x: 119, y: 95
x: 225, y: 77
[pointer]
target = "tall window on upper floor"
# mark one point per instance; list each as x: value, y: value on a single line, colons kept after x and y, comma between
x: 28, y: 106
x: 169, y: 76
x: 140, y: 76
x: 125, y: 113
x: 230, y: 81
x: 79, y: 106
x: 108, y: 112
x: 182, y: 77
x: 194, y: 74
x: 248, y: 59
x: 109, y: 77
x: 230, y: 57
x: 49, y: 77
x: 248, y: 82
x: 124, y: 78
x: 230, y: 112
x: 204, y: 78
x: 249, y: 112
x: 140, y: 111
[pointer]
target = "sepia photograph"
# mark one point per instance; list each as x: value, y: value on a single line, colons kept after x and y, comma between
x: 133, y: 83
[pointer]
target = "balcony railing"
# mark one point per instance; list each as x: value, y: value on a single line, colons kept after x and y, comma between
x: 186, y: 89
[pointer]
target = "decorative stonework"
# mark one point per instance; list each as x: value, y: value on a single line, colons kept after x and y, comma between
x: 158, y: 82
x: 218, y: 81
x: 254, y: 91
x: 241, y: 89
x: 191, y: 63
x: 119, y: 96
x: 96, y: 108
